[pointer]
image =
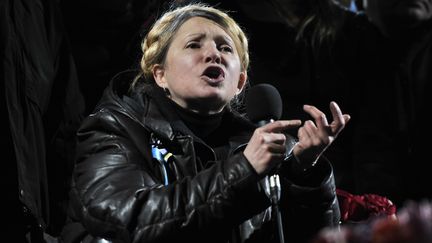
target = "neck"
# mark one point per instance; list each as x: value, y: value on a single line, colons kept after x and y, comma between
x: 201, y: 124
x: 199, y: 107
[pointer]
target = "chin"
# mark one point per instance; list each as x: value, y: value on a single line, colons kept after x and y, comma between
x: 212, y: 94
x: 213, y: 98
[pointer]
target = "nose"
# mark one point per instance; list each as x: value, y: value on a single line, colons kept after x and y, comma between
x: 212, y: 54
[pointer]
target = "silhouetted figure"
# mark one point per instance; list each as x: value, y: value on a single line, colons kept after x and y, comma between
x: 42, y: 107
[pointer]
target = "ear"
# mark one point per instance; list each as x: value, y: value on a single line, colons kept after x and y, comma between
x: 242, y: 82
x: 159, y: 75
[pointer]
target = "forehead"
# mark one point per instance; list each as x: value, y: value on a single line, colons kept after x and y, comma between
x: 200, y: 25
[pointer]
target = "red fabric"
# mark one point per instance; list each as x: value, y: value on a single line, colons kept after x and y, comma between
x: 363, y: 207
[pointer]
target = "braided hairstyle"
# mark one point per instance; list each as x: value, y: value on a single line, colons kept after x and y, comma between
x: 158, y: 40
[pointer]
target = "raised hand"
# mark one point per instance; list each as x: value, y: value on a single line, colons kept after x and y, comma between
x: 266, y: 147
x: 316, y: 136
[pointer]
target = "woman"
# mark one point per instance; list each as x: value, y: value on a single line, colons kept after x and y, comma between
x: 164, y: 157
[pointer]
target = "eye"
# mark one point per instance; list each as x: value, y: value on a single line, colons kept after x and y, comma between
x: 193, y: 45
x: 226, y: 48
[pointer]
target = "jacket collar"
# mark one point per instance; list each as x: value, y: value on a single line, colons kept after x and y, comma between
x: 149, y: 106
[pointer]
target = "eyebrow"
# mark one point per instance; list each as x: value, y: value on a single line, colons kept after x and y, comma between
x: 201, y: 35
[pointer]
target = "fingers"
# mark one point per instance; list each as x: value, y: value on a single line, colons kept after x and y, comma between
x: 280, y: 126
x: 317, y: 115
x: 272, y: 133
x: 277, y: 138
x: 309, y: 130
x: 267, y: 147
x: 336, y: 113
x: 339, y: 119
x: 273, y: 143
x: 277, y: 149
x: 315, y: 136
x: 346, y: 117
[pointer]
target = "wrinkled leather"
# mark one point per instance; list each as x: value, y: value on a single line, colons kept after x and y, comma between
x: 118, y: 192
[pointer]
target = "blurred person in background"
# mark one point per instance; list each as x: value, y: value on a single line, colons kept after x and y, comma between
x: 42, y: 107
x: 376, y: 63
x: 380, y: 59
x: 391, y: 86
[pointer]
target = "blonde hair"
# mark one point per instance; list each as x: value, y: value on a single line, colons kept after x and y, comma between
x: 156, y: 43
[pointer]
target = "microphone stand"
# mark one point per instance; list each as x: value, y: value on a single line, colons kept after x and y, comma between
x: 275, y: 189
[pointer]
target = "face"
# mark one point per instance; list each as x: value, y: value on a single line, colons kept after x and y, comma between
x: 393, y: 15
x: 202, y: 69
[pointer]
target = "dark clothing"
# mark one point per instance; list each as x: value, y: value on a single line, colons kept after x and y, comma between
x: 391, y: 134
x: 106, y: 38
x: 383, y: 83
x: 122, y: 192
x: 42, y: 107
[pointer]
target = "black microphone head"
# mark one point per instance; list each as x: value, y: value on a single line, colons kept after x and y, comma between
x: 263, y: 103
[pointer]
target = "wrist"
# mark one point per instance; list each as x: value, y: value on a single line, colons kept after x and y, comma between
x: 301, y: 165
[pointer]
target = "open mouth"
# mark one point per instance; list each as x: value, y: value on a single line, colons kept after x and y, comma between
x: 214, y: 73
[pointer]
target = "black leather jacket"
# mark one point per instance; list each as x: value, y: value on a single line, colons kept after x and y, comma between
x: 122, y: 193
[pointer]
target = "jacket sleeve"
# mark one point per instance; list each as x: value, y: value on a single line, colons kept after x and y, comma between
x: 308, y: 200
x: 118, y: 194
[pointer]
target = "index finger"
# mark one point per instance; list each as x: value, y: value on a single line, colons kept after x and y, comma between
x: 281, y: 125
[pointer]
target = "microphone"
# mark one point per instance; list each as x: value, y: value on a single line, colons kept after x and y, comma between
x: 263, y: 104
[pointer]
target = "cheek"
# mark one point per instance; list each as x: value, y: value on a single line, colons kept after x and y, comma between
x: 233, y: 86
x: 179, y: 69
